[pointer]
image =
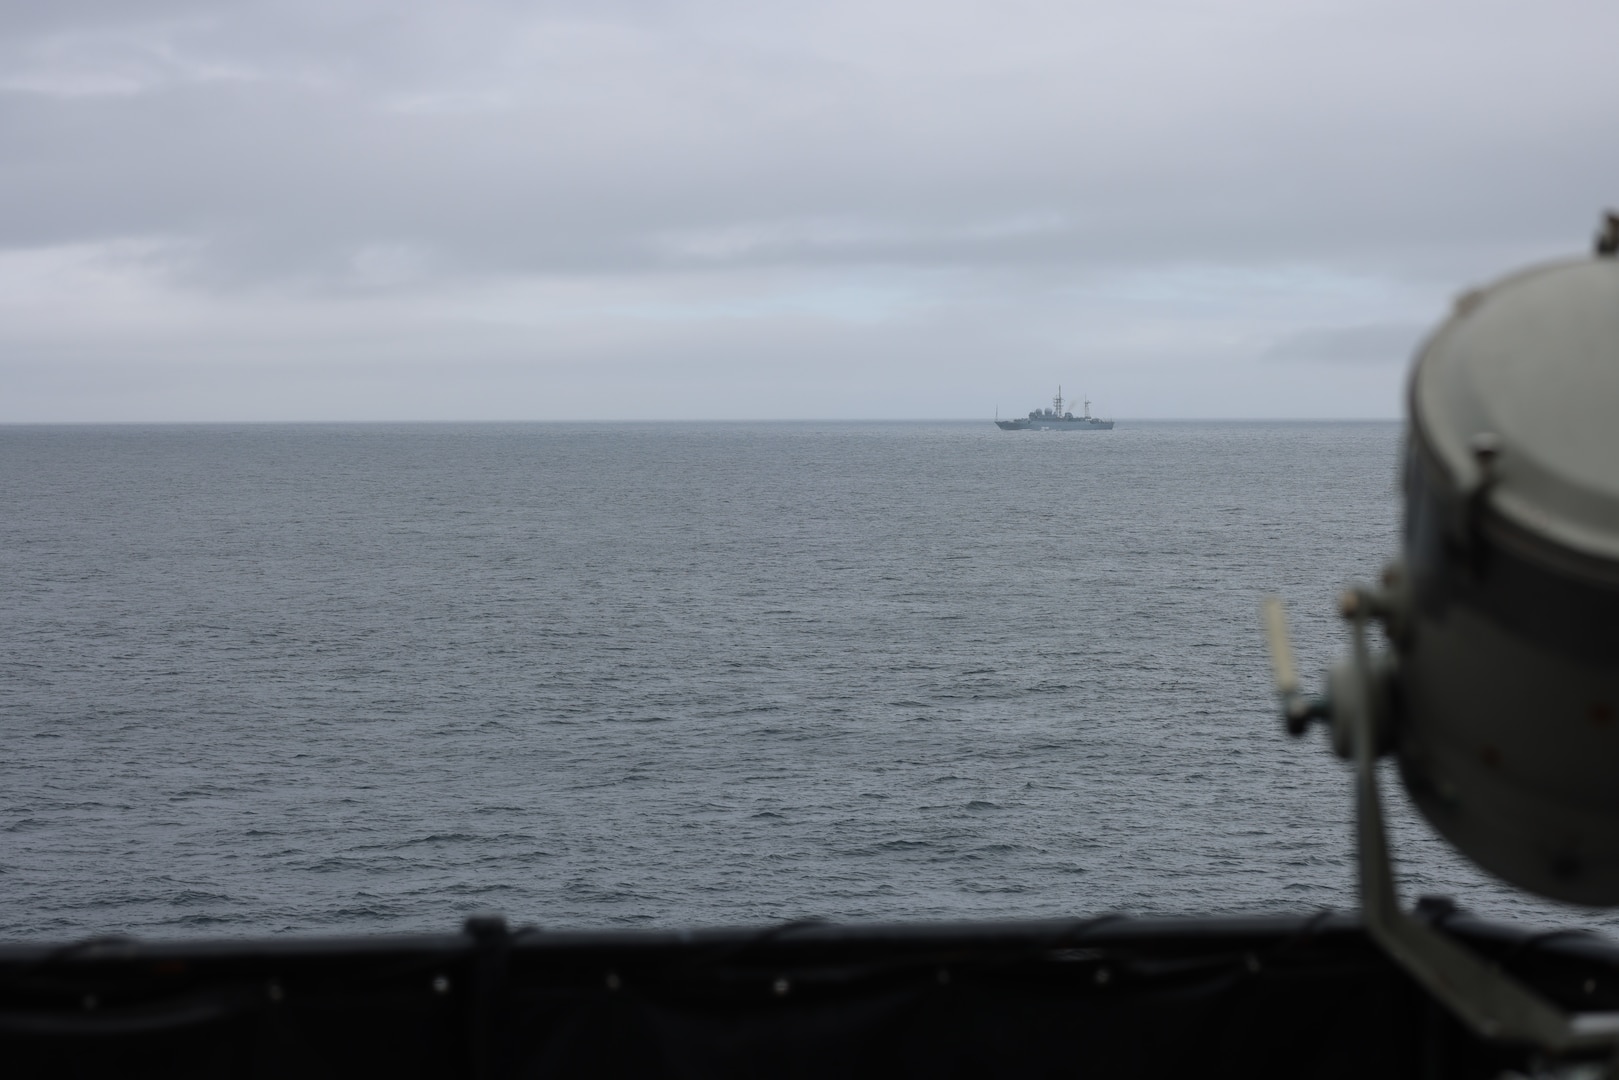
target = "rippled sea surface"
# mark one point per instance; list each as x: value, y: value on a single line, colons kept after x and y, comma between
x: 358, y: 679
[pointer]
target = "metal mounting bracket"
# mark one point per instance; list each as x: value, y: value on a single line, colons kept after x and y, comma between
x: 1487, y: 999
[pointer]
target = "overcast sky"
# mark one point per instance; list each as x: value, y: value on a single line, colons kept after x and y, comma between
x: 383, y: 211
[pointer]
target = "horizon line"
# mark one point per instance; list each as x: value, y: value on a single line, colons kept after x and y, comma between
x: 700, y: 420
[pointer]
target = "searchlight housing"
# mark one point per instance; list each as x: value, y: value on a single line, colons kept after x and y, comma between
x: 1497, y: 686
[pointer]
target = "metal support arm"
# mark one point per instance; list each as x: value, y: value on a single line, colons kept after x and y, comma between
x: 1488, y: 1000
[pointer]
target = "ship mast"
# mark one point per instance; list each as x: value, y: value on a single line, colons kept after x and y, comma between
x: 1056, y: 402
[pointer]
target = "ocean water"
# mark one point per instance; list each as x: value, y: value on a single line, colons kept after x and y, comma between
x: 318, y: 679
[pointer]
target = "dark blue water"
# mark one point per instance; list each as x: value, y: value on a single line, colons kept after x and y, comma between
x: 370, y: 678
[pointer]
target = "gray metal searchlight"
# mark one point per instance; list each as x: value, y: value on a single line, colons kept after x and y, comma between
x: 1497, y: 689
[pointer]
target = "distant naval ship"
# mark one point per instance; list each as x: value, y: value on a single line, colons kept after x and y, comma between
x: 1054, y: 419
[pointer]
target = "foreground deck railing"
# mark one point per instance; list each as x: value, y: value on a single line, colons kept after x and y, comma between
x: 1110, y: 996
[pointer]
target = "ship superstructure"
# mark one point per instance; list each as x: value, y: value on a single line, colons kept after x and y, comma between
x: 1055, y: 419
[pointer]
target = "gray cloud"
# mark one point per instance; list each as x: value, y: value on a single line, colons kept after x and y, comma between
x: 1132, y: 188
x: 1393, y: 343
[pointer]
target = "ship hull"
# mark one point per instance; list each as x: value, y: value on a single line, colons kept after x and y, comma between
x: 1054, y: 425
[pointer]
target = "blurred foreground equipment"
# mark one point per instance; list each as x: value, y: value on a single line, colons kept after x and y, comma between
x: 1498, y: 691
x: 1280, y: 997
